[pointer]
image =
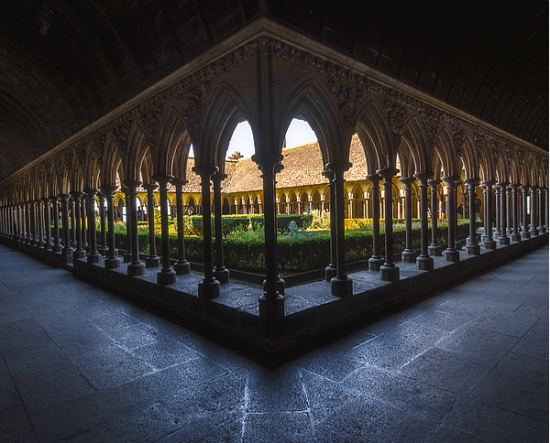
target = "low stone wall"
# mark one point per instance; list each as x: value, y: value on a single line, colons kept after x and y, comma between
x: 242, y: 328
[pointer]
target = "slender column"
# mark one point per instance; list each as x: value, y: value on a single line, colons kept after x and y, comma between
x: 330, y: 270
x: 221, y: 272
x: 67, y: 249
x: 488, y: 242
x: 271, y: 303
x: 209, y: 287
x: 57, y: 248
x: 509, y: 210
x: 472, y: 245
x: 28, y: 210
x: 72, y: 208
x: 34, y: 235
x: 388, y: 271
x: 408, y: 255
x: 93, y: 254
x: 340, y: 285
x: 103, y: 232
x: 111, y: 261
x: 167, y: 275
x: 375, y: 261
x: 83, y: 215
x: 541, y: 205
x: 451, y: 254
x: 503, y: 238
x: 533, y: 231
x: 38, y: 223
x: 515, y: 216
x: 79, y: 252
x: 153, y: 261
x: 182, y: 266
x: 128, y: 255
x: 135, y: 268
x: 525, y: 234
x: 434, y: 248
x: 47, y: 224
x: 497, y: 211
x: 546, y: 209
x: 424, y: 261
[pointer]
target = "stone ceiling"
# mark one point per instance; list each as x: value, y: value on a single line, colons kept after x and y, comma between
x: 63, y: 64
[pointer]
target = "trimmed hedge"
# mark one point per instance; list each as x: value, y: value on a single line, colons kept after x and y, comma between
x: 297, y: 252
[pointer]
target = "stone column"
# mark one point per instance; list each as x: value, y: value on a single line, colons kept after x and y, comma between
x: 93, y: 255
x: 497, y: 210
x: 67, y: 249
x: 541, y: 207
x: 271, y: 303
x: 103, y: 232
x: 73, y: 221
x: 209, y: 287
x: 221, y: 272
x: 111, y: 261
x: 167, y: 275
x: 57, y: 248
x: 330, y: 270
x: 48, y: 224
x: 488, y: 242
x: 408, y: 255
x: 153, y: 261
x: 434, y: 248
x: 424, y: 261
x: 509, y: 207
x: 39, y: 224
x: 472, y: 245
x: 34, y: 236
x: 375, y: 261
x: 340, y: 284
x: 514, y: 194
x: 546, y: 209
x: 84, y: 217
x: 503, y: 238
x: 451, y: 254
x: 79, y: 252
x: 525, y: 234
x: 388, y: 271
x: 135, y: 268
x: 182, y: 266
x: 533, y: 231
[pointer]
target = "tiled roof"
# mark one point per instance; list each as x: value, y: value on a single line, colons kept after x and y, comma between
x: 303, y: 166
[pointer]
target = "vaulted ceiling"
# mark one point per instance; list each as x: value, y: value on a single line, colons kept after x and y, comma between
x: 63, y: 64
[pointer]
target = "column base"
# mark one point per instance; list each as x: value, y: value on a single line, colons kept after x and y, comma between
x: 48, y: 246
x: 434, y: 250
x: 490, y: 244
x: 408, y: 256
x: 152, y: 262
x: 503, y: 241
x: 135, y: 269
x: 534, y: 232
x: 341, y: 287
x: 515, y: 237
x: 389, y: 272
x: 222, y: 275
x: 79, y: 254
x: 543, y: 230
x: 375, y: 263
x: 57, y: 249
x: 209, y: 289
x: 525, y: 235
x: 112, y: 263
x: 183, y: 267
x: 93, y: 258
x: 167, y: 277
x: 127, y: 258
x: 103, y: 250
x: 451, y: 255
x: 67, y: 252
x: 425, y: 263
x: 473, y: 249
x: 279, y: 286
x: 272, y: 314
x: 330, y: 272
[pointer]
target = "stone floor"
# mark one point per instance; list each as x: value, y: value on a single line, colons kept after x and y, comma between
x: 469, y: 364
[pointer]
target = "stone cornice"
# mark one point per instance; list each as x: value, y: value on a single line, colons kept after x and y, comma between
x: 341, y: 70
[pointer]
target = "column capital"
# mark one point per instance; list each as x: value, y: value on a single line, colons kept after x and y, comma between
x: 423, y: 176
x: 407, y: 181
x: 179, y: 181
x: 161, y: 179
x: 451, y: 180
x: 374, y: 178
x: 108, y: 190
x: 90, y: 192
x: 338, y: 168
x: 131, y: 184
x: 205, y: 171
x: 487, y: 184
x: 387, y: 173
x: 525, y: 188
x: 76, y: 194
x: 150, y: 187
x: 503, y: 184
x: 219, y: 176
x: 434, y: 181
x: 471, y: 182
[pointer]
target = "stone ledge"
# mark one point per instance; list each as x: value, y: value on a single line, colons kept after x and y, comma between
x: 311, y: 312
